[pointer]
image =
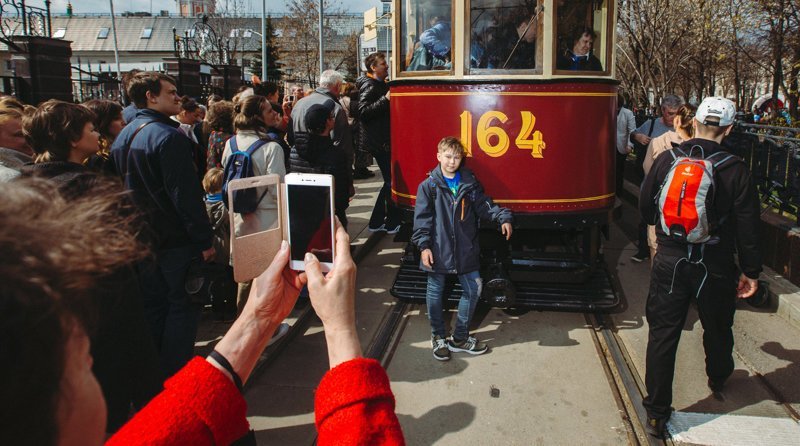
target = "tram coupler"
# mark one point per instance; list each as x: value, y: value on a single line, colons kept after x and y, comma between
x: 498, y: 289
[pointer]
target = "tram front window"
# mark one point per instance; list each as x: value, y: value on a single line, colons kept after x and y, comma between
x: 426, y: 35
x: 504, y: 35
x: 581, y: 42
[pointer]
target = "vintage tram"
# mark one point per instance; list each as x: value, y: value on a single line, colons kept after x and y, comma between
x: 537, y: 114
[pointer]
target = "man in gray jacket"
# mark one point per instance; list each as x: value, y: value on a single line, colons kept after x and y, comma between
x: 330, y: 83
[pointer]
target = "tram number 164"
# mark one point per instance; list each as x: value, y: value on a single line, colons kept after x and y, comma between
x: 527, y: 138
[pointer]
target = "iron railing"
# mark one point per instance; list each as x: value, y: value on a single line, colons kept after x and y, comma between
x: 773, y: 155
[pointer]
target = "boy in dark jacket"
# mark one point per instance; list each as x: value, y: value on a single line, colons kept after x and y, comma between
x: 704, y: 273
x: 450, y: 204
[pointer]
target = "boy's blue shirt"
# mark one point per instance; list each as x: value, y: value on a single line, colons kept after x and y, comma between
x: 453, y: 183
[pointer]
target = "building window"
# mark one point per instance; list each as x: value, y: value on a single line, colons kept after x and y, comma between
x: 190, y: 33
x: 234, y: 33
x: 247, y: 34
x: 103, y: 33
x: 146, y: 33
x: 60, y: 33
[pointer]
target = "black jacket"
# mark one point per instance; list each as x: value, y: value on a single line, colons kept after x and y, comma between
x: 448, y: 225
x: 317, y: 154
x: 373, y: 114
x: 72, y: 180
x: 569, y: 61
x: 158, y: 169
x: 736, y: 206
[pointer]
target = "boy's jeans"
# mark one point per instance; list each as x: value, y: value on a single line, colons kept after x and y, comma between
x: 472, y: 284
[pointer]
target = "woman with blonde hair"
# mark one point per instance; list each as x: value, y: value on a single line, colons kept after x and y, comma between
x: 683, y: 131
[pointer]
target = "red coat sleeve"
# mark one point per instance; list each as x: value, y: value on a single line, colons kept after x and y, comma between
x: 355, y: 406
x: 199, y: 406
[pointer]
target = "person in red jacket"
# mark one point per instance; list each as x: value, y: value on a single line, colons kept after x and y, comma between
x: 48, y: 394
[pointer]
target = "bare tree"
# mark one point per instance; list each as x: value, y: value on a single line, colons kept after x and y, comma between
x: 300, y: 40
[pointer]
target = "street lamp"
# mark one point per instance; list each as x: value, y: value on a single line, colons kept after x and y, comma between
x: 264, y: 40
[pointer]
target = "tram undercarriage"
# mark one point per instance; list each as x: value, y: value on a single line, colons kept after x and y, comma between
x: 541, y: 268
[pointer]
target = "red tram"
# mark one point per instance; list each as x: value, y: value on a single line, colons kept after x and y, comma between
x: 535, y: 106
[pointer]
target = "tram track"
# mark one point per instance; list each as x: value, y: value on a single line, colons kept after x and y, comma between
x: 625, y: 384
x: 359, y: 253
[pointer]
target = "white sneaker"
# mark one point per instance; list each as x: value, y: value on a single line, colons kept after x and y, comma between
x: 283, y: 328
x: 379, y: 228
x: 393, y: 230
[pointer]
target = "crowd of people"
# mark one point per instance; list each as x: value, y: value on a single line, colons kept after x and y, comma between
x: 107, y: 207
x: 125, y: 199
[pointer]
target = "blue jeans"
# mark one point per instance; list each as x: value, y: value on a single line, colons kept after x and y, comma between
x: 472, y: 284
x: 173, y: 319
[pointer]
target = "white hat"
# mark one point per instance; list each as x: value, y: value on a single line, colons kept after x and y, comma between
x: 722, y: 108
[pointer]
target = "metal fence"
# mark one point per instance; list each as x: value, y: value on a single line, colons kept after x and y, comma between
x: 88, y: 85
x: 773, y: 155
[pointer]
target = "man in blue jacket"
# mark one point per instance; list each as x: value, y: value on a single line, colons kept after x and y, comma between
x: 155, y: 161
x: 450, y: 204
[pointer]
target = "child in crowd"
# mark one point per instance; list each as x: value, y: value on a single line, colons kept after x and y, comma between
x: 217, y: 214
x: 450, y: 204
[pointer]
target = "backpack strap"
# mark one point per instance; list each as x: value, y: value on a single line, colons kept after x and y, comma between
x: 255, y: 146
x: 136, y: 132
x: 433, y: 189
x: 652, y: 124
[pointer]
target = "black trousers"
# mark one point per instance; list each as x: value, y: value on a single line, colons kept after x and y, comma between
x: 666, y: 314
x: 620, y: 171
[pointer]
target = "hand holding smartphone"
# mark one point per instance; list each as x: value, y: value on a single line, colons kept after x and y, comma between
x: 309, y: 217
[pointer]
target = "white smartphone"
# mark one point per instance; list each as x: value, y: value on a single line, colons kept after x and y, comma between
x: 309, y: 217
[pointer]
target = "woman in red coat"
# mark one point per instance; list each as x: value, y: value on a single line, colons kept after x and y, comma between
x: 48, y: 394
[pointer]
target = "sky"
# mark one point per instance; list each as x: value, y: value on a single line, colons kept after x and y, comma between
x: 101, y: 6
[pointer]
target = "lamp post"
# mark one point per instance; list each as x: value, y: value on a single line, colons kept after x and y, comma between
x: 264, y: 40
x: 321, y: 39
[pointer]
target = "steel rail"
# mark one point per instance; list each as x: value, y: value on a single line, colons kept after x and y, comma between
x: 625, y: 382
x: 270, y: 354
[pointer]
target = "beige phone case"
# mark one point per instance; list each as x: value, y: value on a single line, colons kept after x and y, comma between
x: 252, y: 253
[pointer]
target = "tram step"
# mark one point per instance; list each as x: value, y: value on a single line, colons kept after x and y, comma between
x: 597, y: 294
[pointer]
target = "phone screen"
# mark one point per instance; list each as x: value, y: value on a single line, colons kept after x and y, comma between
x: 310, y: 221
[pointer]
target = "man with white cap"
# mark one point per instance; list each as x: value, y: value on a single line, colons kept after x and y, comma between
x: 684, y: 271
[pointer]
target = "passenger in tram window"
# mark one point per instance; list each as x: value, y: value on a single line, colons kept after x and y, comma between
x: 513, y: 46
x: 580, y: 57
x: 432, y: 52
x: 447, y: 237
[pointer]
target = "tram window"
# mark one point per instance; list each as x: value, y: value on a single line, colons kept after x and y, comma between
x: 426, y: 36
x: 504, y: 35
x: 581, y: 29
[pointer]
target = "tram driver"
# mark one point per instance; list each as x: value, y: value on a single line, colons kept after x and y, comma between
x: 580, y: 57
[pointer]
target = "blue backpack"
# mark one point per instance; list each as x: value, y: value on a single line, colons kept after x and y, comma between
x: 245, y: 201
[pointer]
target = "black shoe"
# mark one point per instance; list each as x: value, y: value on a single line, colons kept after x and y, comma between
x: 640, y: 257
x: 716, y: 386
x: 470, y: 345
x: 362, y: 174
x: 657, y: 427
x: 440, y: 350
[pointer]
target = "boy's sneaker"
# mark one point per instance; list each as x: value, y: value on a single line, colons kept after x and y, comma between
x: 470, y: 345
x: 640, y: 257
x: 393, y: 229
x: 440, y: 350
x: 379, y: 228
